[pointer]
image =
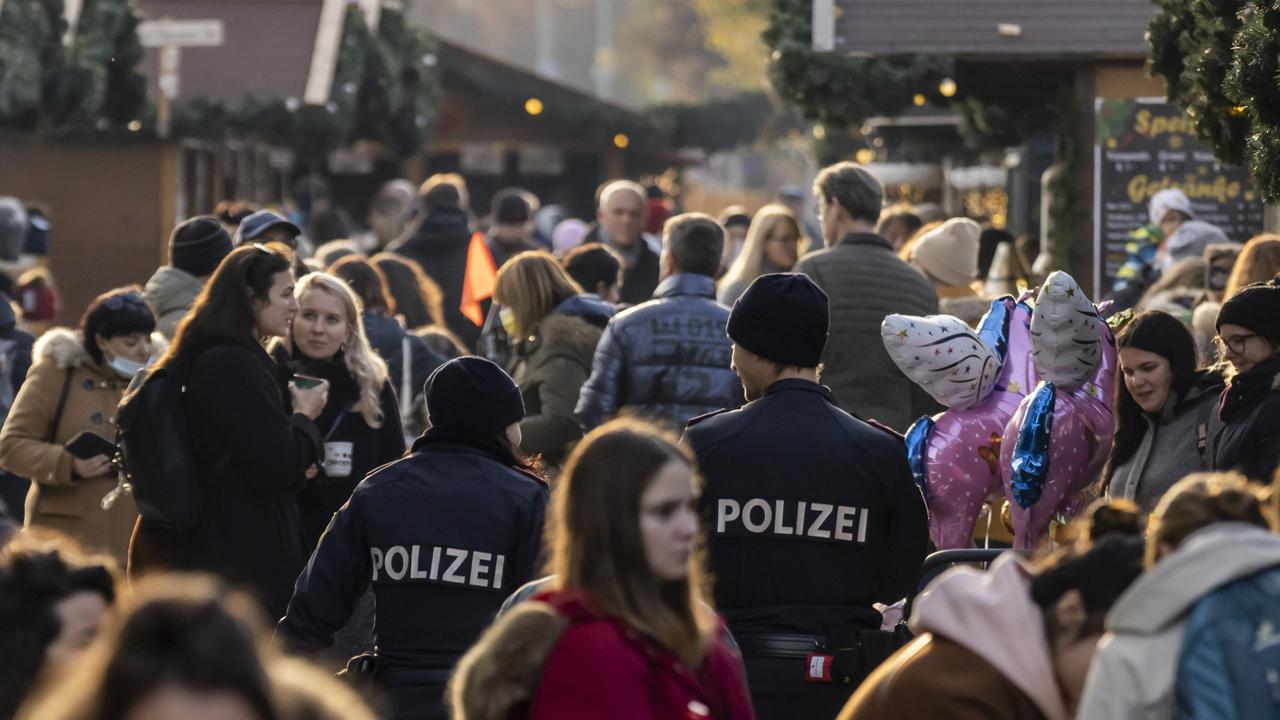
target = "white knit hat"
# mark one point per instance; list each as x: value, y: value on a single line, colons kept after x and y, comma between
x: 1166, y: 201
x: 949, y: 252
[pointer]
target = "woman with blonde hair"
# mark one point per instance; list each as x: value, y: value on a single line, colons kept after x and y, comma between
x: 626, y: 632
x: 774, y: 244
x: 1259, y: 261
x: 553, y: 330
x: 360, y: 425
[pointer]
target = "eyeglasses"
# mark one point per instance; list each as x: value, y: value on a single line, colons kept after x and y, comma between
x: 1236, y: 344
x: 116, y: 303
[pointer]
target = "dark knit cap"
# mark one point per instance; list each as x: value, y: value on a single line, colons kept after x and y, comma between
x: 782, y: 317
x: 198, y: 244
x: 1101, y: 574
x: 1255, y: 307
x: 473, y: 395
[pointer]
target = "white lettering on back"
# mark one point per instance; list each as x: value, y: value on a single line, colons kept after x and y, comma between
x: 451, y: 575
x: 779, y: 523
x: 726, y: 512
x: 844, y: 522
x: 415, y: 572
x: 376, y: 556
x: 479, y: 567
x: 394, y: 552
x: 824, y: 512
x: 746, y: 515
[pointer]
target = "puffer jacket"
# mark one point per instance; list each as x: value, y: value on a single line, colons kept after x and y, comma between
x: 1249, y: 440
x: 551, y: 367
x: 1169, y: 450
x: 59, y: 500
x: 865, y: 281
x: 171, y: 293
x: 666, y: 359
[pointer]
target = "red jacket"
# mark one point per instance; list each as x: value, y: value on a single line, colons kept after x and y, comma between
x: 601, y: 668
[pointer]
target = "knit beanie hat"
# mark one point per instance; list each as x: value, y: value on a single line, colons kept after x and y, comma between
x: 198, y: 245
x: 782, y: 317
x: 1101, y: 574
x: 1255, y: 307
x: 473, y: 395
x: 1165, y: 202
x: 949, y: 252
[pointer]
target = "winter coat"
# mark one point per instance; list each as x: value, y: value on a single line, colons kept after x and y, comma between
x: 439, y: 243
x: 1133, y: 672
x: 370, y: 447
x: 865, y: 281
x: 171, y: 292
x: 982, y: 654
x: 794, y: 452
x: 1169, y: 450
x: 550, y: 368
x: 668, y: 358
x: 386, y: 336
x: 602, y: 668
x: 501, y: 253
x: 57, y: 500
x: 1249, y: 440
x: 254, y: 455
x: 641, y: 267
x: 444, y: 535
x: 1230, y: 653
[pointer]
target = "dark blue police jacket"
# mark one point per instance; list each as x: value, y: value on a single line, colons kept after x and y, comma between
x: 444, y: 534
x: 811, y: 514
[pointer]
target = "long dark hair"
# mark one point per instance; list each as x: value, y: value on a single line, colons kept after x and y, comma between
x: 1166, y: 336
x: 593, y: 536
x: 367, y: 280
x: 223, y: 313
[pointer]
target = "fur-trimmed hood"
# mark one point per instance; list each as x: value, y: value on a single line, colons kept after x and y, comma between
x: 63, y: 346
x: 499, y: 674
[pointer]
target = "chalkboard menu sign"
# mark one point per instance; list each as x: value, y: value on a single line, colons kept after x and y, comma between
x: 1142, y: 147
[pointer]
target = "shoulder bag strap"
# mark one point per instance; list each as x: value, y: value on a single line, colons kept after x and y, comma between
x: 406, y: 381
x: 62, y: 404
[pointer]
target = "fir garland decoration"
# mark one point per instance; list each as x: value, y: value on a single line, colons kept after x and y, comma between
x: 386, y: 88
x: 89, y: 86
x: 836, y: 90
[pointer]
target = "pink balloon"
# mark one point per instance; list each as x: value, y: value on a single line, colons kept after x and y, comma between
x: 963, y: 449
x: 1082, y: 430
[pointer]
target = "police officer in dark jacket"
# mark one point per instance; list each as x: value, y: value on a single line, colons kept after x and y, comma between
x: 811, y: 514
x: 444, y: 535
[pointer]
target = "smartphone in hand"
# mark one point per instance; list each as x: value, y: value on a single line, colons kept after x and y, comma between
x: 88, y: 445
x: 305, y: 382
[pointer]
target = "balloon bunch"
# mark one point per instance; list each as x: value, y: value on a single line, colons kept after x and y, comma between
x: 1042, y: 447
x: 1057, y: 442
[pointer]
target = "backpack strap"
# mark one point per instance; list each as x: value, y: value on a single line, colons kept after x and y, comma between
x: 62, y: 405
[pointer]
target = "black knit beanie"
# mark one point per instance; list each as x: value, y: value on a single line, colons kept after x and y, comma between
x: 1101, y: 574
x: 1255, y: 307
x: 782, y: 317
x: 474, y: 396
x: 198, y: 245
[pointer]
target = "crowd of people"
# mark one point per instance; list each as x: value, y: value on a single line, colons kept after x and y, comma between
x: 646, y: 466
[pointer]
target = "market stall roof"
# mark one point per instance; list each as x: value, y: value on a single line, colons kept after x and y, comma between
x: 971, y: 29
x: 268, y: 48
x: 486, y: 78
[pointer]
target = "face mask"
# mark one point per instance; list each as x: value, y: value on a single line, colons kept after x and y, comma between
x: 126, y: 368
x: 508, y: 320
